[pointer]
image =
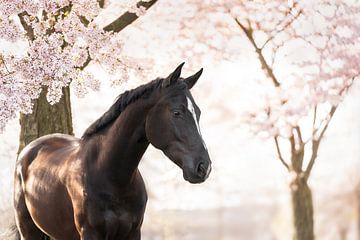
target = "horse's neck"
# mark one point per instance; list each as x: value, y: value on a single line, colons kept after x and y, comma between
x: 124, y: 143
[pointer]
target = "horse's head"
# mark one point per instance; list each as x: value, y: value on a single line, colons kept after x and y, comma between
x: 172, y: 126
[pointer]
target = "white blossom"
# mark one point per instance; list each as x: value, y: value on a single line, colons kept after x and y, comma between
x: 62, y: 40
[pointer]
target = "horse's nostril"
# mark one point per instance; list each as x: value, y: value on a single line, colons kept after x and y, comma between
x: 201, y: 169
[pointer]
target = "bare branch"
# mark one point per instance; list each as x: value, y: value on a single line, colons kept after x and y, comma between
x: 127, y: 18
x: 301, y: 151
x: 279, y: 153
x: 314, y: 118
x: 101, y: 3
x: 298, y: 132
x: 315, y: 147
x: 294, y: 163
x: 265, y: 66
x: 28, y: 29
x: 84, y: 21
x: 316, y: 140
x: 297, y: 155
x: 316, y: 143
x: 331, y: 114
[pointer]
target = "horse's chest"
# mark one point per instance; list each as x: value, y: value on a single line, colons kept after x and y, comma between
x: 114, y: 216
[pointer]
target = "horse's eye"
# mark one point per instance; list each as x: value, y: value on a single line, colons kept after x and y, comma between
x: 176, y: 113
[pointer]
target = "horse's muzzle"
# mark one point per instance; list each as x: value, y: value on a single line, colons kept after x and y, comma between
x: 199, y: 174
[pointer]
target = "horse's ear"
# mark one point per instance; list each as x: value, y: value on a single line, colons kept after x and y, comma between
x: 173, y: 77
x: 190, y: 81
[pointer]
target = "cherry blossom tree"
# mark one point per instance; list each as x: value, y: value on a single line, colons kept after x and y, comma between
x: 312, y: 90
x: 307, y: 51
x: 61, y: 39
x: 309, y: 55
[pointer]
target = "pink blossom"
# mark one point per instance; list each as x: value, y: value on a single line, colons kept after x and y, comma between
x: 318, y: 40
x: 139, y: 11
x: 9, y: 30
x: 60, y: 45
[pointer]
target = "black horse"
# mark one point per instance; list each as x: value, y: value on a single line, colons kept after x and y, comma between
x: 90, y: 188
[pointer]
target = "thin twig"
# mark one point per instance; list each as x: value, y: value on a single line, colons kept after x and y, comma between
x: 279, y: 153
x: 316, y: 143
x: 314, y: 119
x: 331, y: 114
x: 6, y: 68
x: 273, y: 34
x: 249, y: 34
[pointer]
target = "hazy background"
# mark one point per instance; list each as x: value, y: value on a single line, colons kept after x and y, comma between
x: 246, y: 196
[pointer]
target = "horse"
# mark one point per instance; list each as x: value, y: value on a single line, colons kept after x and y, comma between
x: 90, y: 188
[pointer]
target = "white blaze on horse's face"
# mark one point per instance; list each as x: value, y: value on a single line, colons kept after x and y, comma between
x: 191, y: 108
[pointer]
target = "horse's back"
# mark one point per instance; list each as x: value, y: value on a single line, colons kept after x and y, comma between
x: 41, y: 151
x: 50, y: 142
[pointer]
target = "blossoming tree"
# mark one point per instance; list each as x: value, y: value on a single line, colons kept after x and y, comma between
x: 303, y: 100
x: 61, y: 39
x: 309, y: 55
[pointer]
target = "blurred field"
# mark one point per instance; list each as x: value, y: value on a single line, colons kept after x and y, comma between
x: 214, y: 224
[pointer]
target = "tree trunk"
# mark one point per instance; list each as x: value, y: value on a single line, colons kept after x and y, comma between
x: 46, y: 118
x: 302, y: 206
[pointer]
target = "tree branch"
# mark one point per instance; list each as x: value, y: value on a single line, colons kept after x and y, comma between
x: 119, y: 24
x: 101, y: 3
x: 279, y: 153
x: 331, y: 114
x: 2, y: 62
x: 127, y: 18
x: 265, y: 66
x: 273, y: 34
x: 297, y: 155
x: 293, y: 154
x: 298, y: 131
x: 316, y: 143
x: 87, y: 61
x: 301, y: 151
x: 315, y: 147
x: 28, y: 29
x: 314, y: 119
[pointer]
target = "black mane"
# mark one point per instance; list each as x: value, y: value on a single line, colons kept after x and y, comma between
x: 122, y: 101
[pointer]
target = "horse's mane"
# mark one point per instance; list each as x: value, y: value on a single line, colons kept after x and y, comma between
x: 121, y: 102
